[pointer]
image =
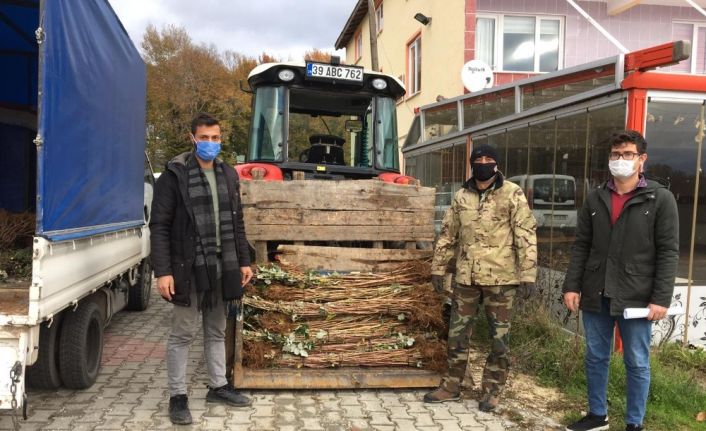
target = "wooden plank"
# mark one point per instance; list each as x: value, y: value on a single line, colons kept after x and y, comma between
x: 260, y: 250
x: 336, y: 195
x: 342, y: 378
x: 333, y: 202
x: 411, y: 245
x: 238, y: 354
x: 296, y: 232
x: 348, y: 259
x: 234, y: 358
x: 343, y: 186
x: 268, y: 216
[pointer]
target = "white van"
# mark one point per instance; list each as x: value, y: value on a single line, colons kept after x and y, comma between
x: 541, y: 199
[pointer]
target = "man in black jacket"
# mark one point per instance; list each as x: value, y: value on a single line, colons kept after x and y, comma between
x: 625, y: 255
x: 201, y: 260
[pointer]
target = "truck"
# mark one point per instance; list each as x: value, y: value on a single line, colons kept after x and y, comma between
x: 74, y: 173
x: 552, y: 199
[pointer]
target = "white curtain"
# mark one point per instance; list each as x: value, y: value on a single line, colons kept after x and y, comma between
x: 700, y: 54
x: 485, y: 40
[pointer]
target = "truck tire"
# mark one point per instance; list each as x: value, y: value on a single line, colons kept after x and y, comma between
x: 138, y: 297
x: 81, y: 346
x: 44, y: 374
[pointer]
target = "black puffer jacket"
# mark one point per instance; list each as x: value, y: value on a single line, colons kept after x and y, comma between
x: 633, y: 262
x: 173, y: 231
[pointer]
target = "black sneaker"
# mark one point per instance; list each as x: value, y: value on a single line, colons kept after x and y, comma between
x: 228, y: 395
x: 179, y: 412
x: 633, y: 427
x: 590, y: 422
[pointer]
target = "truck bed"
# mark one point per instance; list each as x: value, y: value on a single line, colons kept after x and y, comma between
x: 14, y: 298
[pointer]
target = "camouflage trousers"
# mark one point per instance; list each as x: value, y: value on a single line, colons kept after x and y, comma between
x: 497, y: 301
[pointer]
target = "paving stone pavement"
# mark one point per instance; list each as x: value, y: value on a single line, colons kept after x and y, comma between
x: 131, y: 394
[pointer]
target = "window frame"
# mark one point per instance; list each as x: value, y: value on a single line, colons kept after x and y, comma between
x: 499, y: 39
x: 379, y: 18
x: 414, y: 42
x: 695, y: 26
x: 358, y: 45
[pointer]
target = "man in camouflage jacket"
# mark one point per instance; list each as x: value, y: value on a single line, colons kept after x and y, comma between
x: 491, y: 231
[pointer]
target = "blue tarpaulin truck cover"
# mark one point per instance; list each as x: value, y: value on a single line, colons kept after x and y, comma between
x: 86, y: 82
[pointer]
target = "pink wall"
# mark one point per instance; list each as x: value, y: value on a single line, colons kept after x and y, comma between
x: 639, y: 27
x: 469, y: 52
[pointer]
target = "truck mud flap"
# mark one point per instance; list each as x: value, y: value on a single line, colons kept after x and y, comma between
x: 13, y: 356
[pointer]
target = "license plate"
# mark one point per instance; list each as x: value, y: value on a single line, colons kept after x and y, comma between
x: 334, y: 73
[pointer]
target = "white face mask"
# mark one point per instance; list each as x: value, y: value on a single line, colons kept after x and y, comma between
x: 622, y: 168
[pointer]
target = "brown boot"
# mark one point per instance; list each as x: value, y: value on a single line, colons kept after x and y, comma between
x: 441, y: 394
x: 488, y: 403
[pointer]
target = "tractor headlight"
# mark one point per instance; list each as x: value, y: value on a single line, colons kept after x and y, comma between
x: 286, y: 75
x: 379, y: 84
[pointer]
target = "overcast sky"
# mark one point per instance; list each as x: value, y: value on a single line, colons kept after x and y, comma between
x: 284, y: 28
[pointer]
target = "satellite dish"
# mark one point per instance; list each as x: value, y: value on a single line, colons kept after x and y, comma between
x: 476, y: 75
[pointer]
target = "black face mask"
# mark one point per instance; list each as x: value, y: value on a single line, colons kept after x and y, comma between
x: 484, y: 171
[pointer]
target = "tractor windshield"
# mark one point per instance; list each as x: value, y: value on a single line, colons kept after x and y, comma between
x: 266, y: 128
x: 324, y: 127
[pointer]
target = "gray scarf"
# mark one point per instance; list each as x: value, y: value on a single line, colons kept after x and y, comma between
x: 206, y: 268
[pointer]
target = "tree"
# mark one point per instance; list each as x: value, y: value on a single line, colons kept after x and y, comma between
x: 184, y: 78
x: 317, y: 55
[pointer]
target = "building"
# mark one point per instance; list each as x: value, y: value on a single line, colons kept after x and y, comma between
x: 550, y: 133
x: 429, y: 57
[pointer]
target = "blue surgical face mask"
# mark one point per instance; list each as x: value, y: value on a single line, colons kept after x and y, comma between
x: 207, y: 150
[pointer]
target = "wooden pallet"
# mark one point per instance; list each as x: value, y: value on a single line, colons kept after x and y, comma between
x: 351, y: 211
x: 309, y: 211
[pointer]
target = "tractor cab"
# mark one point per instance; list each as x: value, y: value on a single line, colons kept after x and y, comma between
x: 326, y: 121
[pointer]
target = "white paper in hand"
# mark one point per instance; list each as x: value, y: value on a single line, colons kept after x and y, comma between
x: 641, y: 313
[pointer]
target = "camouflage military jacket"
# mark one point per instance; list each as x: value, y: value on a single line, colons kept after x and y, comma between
x: 493, y: 236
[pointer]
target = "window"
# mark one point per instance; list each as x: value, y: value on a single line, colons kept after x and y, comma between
x: 696, y: 34
x: 266, y: 131
x: 414, y: 66
x: 670, y: 129
x: 485, y: 40
x: 386, y: 139
x: 358, y: 46
x: 379, y: 21
x: 520, y: 43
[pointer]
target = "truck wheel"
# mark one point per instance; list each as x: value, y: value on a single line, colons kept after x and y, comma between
x: 81, y: 346
x: 139, y: 294
x: 44, y: 374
